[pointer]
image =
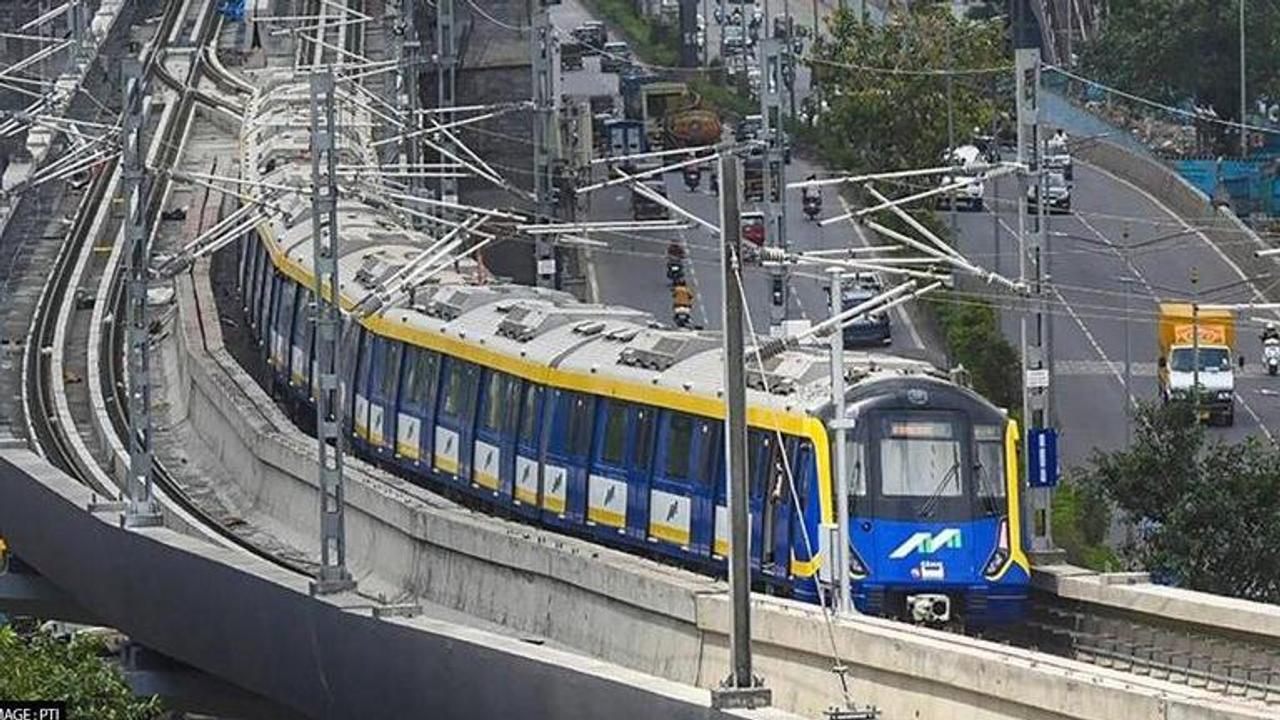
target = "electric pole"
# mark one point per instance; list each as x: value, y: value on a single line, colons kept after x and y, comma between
x: 1036, y: 379
x: 446, y: 78
x: 840, y: 467
x: 543, y: 51
x: 411, y: 96
x: 332, y: 575
x: 773, y: 169
x: 141, y: 510
x: 741, y: 689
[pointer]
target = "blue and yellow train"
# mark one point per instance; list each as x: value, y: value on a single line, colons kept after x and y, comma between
x: 597, y: 421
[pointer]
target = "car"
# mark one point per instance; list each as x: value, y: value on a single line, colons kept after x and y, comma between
x: 592, y: 35
x: 753, y: 228
x: 872, y: 328
x: 965, y: 159
x: 732, y: 40
x: 615, y: 56
x: 1057, y: 156
x: 1058, y: 193
x: 748, y: 128
x: 571, y: 54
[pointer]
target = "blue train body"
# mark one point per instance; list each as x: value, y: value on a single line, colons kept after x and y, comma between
x: 935, y: 511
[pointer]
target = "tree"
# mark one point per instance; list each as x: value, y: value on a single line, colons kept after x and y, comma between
x: 41, y: 667
x: 881, y: 120
x: 1176, y: 51
x: 1208, y: 512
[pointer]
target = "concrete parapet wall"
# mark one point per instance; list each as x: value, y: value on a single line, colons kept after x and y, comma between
x: 1134, y: 592
x: 619, y: 608
x: 1230, y: 237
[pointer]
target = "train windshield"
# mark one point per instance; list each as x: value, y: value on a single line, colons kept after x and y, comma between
x: 923, y: 465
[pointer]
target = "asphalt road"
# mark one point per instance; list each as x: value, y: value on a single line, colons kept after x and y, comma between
x: 1085, y: 266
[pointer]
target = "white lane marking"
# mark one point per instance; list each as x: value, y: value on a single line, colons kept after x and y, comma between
x: 693, y: 279
x: 593, y: 285
x: 1097, y: 347
x: 899, y: 310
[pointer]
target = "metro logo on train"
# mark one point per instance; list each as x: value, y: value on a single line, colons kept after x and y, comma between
x: 928, y: 543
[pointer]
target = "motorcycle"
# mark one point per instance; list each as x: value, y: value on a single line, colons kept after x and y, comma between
x: 1271, y: 355
x: 812, y: 206
x: 682, y: 316
x: 675, y: 270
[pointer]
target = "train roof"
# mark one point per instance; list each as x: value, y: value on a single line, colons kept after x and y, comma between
x: 502, y: 323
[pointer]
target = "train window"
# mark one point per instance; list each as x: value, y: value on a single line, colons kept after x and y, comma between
x: 855, y: 463
x: 710, y: 440
x: 284, y: 319
x: 990, y: 461
x: 419, y: 376
x: 644, y: 439
x: 529, y: 414
x: 495, y: 400
x: 580, y: 423
x: 455, y: 390
x: 679, y: 445
x: 920, y: 458
x: 615, y: 434
x: 366, y: 361
x: 350, y: 341
x: 301, y: 319
x: 390, y: 368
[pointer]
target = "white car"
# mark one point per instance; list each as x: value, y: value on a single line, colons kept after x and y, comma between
x: 969, y: 196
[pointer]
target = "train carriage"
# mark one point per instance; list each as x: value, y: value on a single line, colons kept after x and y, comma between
x: 599, y: 422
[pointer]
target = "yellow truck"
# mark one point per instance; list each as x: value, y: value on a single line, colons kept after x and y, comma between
x: 1177, y: 371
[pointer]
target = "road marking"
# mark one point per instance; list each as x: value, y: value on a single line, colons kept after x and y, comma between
x: 1088, y: 335
x: 898, y: 310
x: 593, y: 285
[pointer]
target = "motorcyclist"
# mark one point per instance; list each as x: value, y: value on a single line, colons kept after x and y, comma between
x: 812, y: 193
x: 1270, y: 332
x: 681, y: 297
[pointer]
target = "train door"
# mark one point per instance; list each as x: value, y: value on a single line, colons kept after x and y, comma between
x: 455, y: 420
x: 643, y: 432
x: 270, y: 291
x: 802, y: 540
x: 527, y: 452
x: 243, y: 272
x: 253, y: 307
x: 300, y: 348
x: 418, y: 375
x: 282, y: 334
x: 384, y: 380
x: 495, y: 431
x: 347, y: 366
x: 780, y: 472
x: 567, y: 454
x: 607, y: 486
x: 360, y: 391
x: 759, y: 446
x: 686, y: 460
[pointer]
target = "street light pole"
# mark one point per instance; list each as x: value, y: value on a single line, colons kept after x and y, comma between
x: 1244, y: 137
x: 840, y: 548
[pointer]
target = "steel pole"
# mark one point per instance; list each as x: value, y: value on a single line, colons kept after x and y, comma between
x: 840, y: 548
x: 741, y: 688
x: 1244, y: 136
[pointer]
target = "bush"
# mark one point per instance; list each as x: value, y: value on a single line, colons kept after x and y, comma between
x: 650, y: 41
x: 41, y: 667
x: 971, y: 329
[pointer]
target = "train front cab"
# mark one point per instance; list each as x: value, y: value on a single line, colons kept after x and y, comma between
x: 935, y: 515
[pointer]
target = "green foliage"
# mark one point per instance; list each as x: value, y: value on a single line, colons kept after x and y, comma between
x: 1176, y: 50
x: 650, y: 40
x: 1208, y: 513
x: 41, y: 667
x: 1081, y: 516
x: 879, y: 121
x: 722, y: 98
x: 973, y: 337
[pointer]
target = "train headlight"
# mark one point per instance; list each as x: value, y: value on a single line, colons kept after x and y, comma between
x: 1000, y: 555
x: 857, y: 567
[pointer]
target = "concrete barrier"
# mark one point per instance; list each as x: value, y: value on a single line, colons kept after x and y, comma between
x: 330, y: 657
x: 1234, y: 241
x: 616, y: 607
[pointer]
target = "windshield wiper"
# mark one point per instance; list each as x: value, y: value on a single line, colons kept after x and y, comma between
x: 927, y: 508
x: 989, y: 489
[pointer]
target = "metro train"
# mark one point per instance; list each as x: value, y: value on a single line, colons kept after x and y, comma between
x: 599, y: 422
